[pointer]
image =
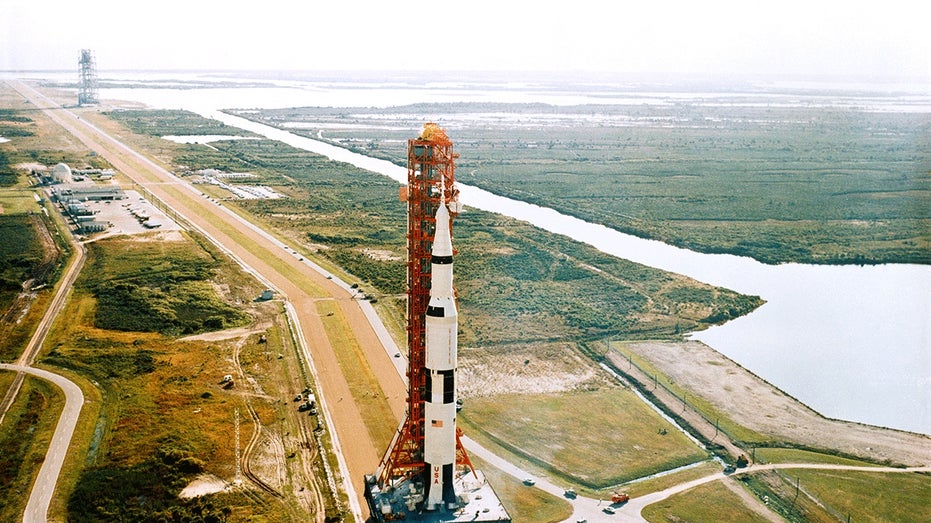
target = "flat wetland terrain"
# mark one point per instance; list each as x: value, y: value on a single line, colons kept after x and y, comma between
x: 539, y: 313
x: 753, y: 175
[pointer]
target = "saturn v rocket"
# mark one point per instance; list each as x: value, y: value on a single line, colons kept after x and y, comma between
x: 440, y: 393
x: 419, y: 478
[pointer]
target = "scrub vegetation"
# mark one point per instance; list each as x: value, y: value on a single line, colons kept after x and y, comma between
x: 12, y: 124
x: 155, y: 286
x: 651, y: 180
x: 520, y: 288
x: 31, y: 251
x: 166, y: 416
x: 778, y: 183
x: 507, y: 270
x: 524, y: 293
x: 35, y: 142
x: 21, y: 256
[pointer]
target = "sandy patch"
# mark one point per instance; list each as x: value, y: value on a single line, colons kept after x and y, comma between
x: 203, y: 485
x: 159, y: 236
x: 380, y: 255
x: 756, y: 404
x: 543, y: 370
x: 31, y: 166
x: 229, y: 334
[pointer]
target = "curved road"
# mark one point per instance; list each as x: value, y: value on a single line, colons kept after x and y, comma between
x: 168, y: 188
x: 44, y: 487
x: 291, y: 275
x: 592, y: 510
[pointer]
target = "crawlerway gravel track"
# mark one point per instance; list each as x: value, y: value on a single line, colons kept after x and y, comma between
x: 267, y: 258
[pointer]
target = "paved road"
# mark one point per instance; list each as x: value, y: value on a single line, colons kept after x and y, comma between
x: 592, y: 510
x: 38, y: 337
x: 295, y: 278
x: 156, y: 179
x: 41, y: 495
x: 44, y: 487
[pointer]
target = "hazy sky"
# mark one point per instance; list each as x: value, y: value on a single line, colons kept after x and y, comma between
x: 791, y: 38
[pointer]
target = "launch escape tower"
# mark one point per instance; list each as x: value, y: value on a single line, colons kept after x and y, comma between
x: 416, y: 474
x: 87, y: 92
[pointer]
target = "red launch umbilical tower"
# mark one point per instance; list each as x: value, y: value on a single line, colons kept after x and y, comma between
x: 430, y: 180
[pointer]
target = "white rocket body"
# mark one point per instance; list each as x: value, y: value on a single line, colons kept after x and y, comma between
x: 442, y: 321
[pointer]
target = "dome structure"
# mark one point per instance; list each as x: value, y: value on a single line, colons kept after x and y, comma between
x: 61, y: 173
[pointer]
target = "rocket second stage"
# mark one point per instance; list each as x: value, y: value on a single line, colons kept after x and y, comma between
x: 441, y: 326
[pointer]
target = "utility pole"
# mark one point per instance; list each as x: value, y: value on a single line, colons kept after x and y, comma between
x: 238, y: 479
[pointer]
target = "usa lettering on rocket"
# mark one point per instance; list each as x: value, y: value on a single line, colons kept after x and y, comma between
x: 441, y: 326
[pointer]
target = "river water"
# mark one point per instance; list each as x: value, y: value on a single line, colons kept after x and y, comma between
x: 851, y: 342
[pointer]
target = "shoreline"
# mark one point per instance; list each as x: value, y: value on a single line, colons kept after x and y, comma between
x: 757, y: 405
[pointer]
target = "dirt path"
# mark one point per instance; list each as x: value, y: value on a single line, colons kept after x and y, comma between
x: 706, y: 428
x: 293, y: 278
x: 752, y: 501
x: 753, y: 403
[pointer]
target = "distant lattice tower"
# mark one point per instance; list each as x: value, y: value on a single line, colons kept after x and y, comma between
x: 87, y: 93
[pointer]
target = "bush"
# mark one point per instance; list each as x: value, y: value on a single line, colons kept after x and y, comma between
x: 147, y: 491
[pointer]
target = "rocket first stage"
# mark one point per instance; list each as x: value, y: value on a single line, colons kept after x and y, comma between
x: 423, y: 474
x: 440, y: 394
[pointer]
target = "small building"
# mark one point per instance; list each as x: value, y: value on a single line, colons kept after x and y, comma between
x: 89, y: 227
x: 79, y: 209
x: 85, y: 193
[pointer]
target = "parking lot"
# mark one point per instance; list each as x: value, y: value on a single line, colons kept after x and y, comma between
x: 133, y: 215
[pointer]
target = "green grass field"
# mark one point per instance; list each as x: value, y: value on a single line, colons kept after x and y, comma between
x: 596, y: 438
x: 780, y: 455
x: 709, y: 503
x: 866, y: 496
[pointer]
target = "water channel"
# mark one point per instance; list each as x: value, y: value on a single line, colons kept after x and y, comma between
x: 851, y: 342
